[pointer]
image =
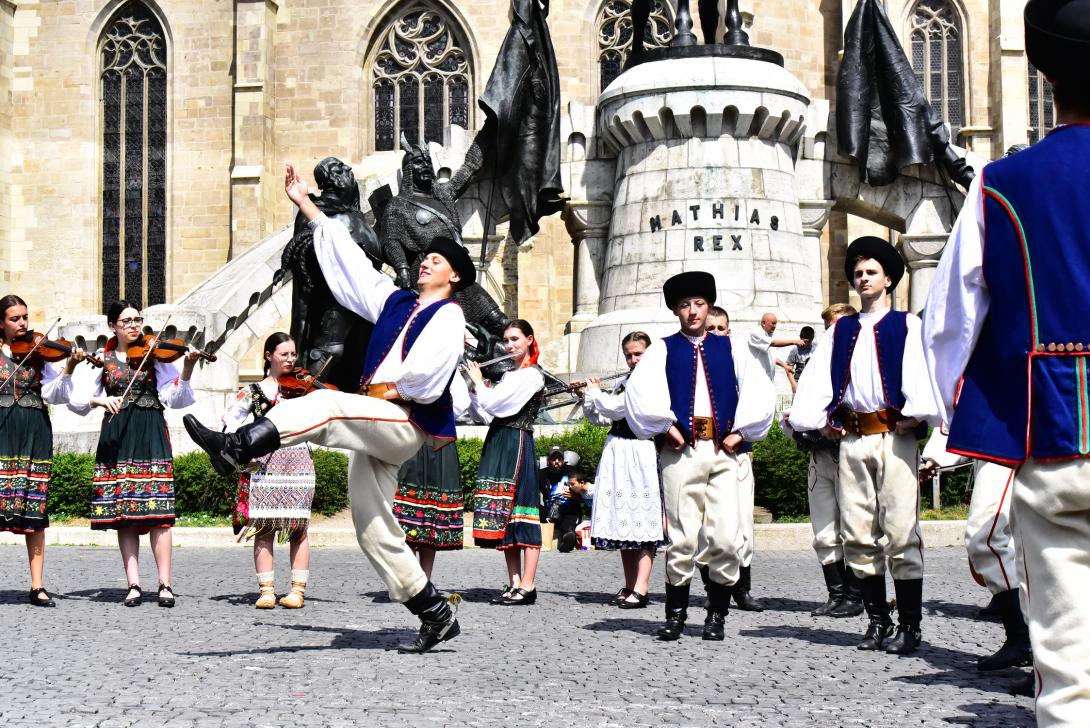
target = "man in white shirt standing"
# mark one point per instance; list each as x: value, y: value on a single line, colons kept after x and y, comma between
x: 404, y: 403
x: 707, y: 401
x: 867, y: 387
x: 761, y: 344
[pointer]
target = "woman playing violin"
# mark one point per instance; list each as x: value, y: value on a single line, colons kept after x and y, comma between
x: 26, y: 439
x: 133, y: 490
x: 274, y: 501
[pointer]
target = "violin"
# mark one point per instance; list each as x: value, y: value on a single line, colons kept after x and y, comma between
x: 48, y: 350
x: 299, y: 382
x: 166, y: 350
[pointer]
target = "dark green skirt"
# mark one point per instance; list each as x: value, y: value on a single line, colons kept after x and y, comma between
x: 507, y: 502
x: 428, y: 503
x: 134, y: 472
x: 26, y: 463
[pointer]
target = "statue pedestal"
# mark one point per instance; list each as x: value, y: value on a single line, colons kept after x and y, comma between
x: 705, y: 180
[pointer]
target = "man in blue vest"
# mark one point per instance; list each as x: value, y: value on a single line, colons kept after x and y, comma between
x: 867, y: 387
x: 1007, y: 332
x: 405, y: 401
x: 706, y: 400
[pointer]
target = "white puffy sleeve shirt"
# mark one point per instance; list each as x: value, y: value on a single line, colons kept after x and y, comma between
x: 604, y: 408
x: 422, y: 375
x: 864, y: 391
x: 509, y: 395
x: 173, y: 391
x: 957, y: 302
x: 647, y: 396
x: 56, y: 385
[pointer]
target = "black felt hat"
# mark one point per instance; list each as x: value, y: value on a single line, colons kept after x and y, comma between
x: 877, y: 249
x: 691, y: 283
x: 1058, y: 39
x: 458, y: 258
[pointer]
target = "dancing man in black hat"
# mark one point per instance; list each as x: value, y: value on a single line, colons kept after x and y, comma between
x: 404, y: 402
x: 706, y: 400
x: 867, y: 387
x: 1007, y: 334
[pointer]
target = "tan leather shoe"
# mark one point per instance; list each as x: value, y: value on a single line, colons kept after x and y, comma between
x: 294, y: 599
x: 267, y: 600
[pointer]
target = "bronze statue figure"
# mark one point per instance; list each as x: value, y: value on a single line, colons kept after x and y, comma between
x: 321, y: 327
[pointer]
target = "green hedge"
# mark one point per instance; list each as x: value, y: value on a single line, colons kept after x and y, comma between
x: 197, y: 487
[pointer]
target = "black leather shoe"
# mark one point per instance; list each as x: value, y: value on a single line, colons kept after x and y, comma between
x: 437, y: 622
x: 520, y: 598
x: 620, y: 596
x: 907, y: 640
x: 640, y: 603
x: 40, y: 598
x: 677, y: 606
x: 740, y: 591
x: 673, y: 629
x: 846, y: 608
x: 167, y: 600
x: 507, y: 591
x: 230, y: 451
x: 137, y: 600
x: 713, y: 627
x: 876, y: 635
x: 1025, y: 685
x: 834, y: 582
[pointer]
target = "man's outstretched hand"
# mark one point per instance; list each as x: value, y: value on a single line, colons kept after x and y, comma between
x: 295, y: 187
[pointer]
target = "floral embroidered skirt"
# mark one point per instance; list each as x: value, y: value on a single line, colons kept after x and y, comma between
x: 277, y: 498
x: 134, y: 472
x: 26, y: 462
x: 428, y: 503
x: 507, y: 502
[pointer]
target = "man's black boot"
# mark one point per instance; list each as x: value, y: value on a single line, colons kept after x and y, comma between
x: 718, y: 607
x: 909, y: 616
x: 1025, y: 685
x: 989, y: 610
x: 852, y: 604
x: 1016, y: 651
x: 230, y: 451
x: 834, y: 582
x: 873, y: 589
x: 677, y: 604
x: 437, y: 622
x: 742, y: 597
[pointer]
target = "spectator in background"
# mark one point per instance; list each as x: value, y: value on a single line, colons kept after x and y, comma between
x: 718, y: 322
x: 799, y: 355
x: 761, y: 344
x: 563, y: 488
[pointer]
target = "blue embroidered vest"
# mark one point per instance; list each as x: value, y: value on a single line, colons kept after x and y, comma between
x: 890, y: 334
x: 719, y: 373
x: 436, y: 418
x: 1024, y: 391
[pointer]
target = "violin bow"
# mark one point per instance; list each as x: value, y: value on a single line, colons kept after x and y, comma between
x: 11, y: 377
x: 143, y: 361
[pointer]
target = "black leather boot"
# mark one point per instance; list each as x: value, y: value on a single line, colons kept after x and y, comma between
x: 437, y: 622
x: 834, y: 582
x: 742, y: 597
x: 677, y: 604
x: 873, y: 589
x: 909, y: 615
x: 230, y: 451
x: 718, y: 606
x: 1016, y: 651
x: 989, y: 610
x: 1025, y: 685
x: 852, y: 604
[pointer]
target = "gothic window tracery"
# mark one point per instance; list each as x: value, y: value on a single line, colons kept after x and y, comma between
x: 1042, y: 113
x: 936, y: 39
x: 615, y: 35
x: 421, y: 79
x: 133, y: 81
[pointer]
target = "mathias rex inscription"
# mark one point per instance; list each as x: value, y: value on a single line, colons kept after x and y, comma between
x: 719, y: 211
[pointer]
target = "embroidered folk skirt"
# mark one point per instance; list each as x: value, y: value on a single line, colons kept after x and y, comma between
x: 428, y: 503
x: 26, y: 462
x: 277, y: 498
x: 507, y: 502
x: 134, y: 472
x: 627, y: 510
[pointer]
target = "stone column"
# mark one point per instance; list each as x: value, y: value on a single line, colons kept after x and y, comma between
x: 588, y: 225
x: 1010, y: 97
x: 815, y: 216
x: 922, y: 253
x: 255, y: 24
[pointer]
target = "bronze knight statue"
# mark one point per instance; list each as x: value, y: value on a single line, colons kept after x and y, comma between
x: 422, y: 210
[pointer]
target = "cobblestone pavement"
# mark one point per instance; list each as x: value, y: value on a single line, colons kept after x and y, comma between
x: 569, y: 660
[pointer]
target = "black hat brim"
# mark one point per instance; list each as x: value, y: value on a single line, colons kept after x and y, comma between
x: 459, y: 260
x: 1062, y: 54
x: 877, y: 249
x: 689, y: 284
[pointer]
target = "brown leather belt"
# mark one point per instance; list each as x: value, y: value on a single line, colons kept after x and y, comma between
x: 703, y: 428
x: 869, y: 423
x: 378, y: 390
